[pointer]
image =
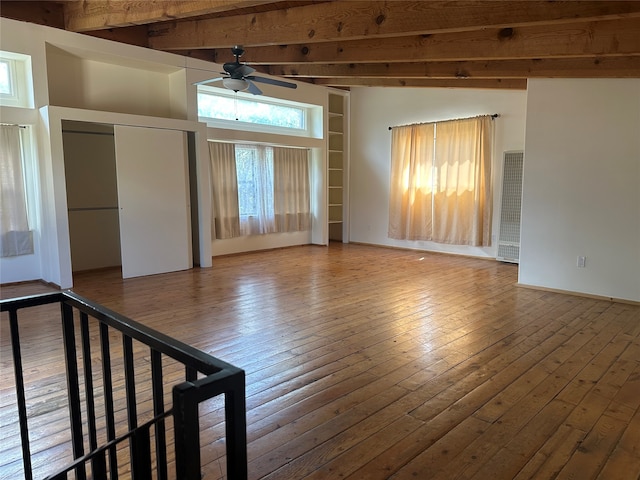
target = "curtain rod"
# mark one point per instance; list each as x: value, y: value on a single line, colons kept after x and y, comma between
x: 12, y: 125
x: 493, y: 117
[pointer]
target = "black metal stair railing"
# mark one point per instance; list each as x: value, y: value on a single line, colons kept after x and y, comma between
x: 205, y: 377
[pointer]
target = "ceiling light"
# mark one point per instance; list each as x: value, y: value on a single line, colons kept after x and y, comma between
x: 235, y: 84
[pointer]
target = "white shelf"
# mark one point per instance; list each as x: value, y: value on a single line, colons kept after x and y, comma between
x: 336, y: 173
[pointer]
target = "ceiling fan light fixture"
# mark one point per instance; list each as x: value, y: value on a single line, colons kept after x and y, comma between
x: 235, y: 84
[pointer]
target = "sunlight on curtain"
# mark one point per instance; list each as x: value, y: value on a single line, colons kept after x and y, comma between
x: 463, y: 198
x: 411, y: 182
x: 441, y: 182
x: 226, y: 219
x: 291, y: 190
x: 15, y: 235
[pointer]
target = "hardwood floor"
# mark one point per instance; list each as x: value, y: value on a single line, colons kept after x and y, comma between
x: 371, y: 363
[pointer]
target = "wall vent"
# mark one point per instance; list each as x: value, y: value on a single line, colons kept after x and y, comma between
x: 511, y: 208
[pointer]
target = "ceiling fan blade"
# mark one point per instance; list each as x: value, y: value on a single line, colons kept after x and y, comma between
x: 231, y: 67
x: 211, y: 80
x: 244, y: 70
x: 273, y: 81
x: 253, y: 88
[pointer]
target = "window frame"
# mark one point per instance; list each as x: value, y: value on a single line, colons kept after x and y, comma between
x: 308, y: 111
x: 20, y: 80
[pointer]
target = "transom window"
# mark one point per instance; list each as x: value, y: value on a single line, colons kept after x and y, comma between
x: 222, y: 107
x: 225, y: 109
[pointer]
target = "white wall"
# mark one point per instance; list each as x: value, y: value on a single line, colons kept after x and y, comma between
x: 74, y: 81
x: 374, y: 110
x: 581, y: 194
x: 106, y: 70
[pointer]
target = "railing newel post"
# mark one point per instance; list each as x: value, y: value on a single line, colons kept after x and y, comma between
x: 236, y: 428
x: 186, y: 431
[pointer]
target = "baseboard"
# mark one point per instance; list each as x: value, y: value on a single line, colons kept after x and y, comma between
x: 579, y: 294
x: 24, y: 282
x: 420, y: 250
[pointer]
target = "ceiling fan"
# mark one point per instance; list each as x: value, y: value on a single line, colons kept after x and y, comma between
x: 238, y: 76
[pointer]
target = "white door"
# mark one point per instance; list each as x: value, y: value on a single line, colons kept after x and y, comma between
x: 153, y: 200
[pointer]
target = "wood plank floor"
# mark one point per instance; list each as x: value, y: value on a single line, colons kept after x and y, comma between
x: 372, y: 363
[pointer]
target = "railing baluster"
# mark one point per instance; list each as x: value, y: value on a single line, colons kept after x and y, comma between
x: 108, y: 398
x: 88, y: 380
x: 73, y: 386
x: 158, y: 408
x: 190, y: 373
x: 130, y: 391
x: 22, y: 403
x: 99, y: 466
x: 141, y: 462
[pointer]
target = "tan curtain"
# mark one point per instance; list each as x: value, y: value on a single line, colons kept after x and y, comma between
x: 463, y: 197
x: 15, y: 236
x: 411, y: 182
x: 440, y: 186
x: 225, y: 211
x: 291, y: 190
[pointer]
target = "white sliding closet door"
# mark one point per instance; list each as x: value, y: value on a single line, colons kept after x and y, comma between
x: 153, y: 200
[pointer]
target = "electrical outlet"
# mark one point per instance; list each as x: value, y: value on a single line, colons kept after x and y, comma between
x: 582, y: 261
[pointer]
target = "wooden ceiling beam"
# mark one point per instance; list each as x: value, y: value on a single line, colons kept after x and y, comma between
x: 606, y: 67
x: 50, y: 14
x: 352, y: 20
x: 603, y: 38
x: 136, y: 35
x: 516, y: 84
x: 86, y: 15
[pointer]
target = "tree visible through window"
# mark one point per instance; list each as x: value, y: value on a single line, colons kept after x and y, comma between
x: 254, y: 170
x: 246, y: 172
x: 223, y: 107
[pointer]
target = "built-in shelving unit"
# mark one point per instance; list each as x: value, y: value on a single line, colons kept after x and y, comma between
x: 337, y: 166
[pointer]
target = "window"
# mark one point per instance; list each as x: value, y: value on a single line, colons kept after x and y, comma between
x: 259, y: 189
x: 15, y: 80
x: 254, y: 167
x: 6, y: 80
x: 16, y: 237
x: 441, y: 182
x: 225, y: 109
